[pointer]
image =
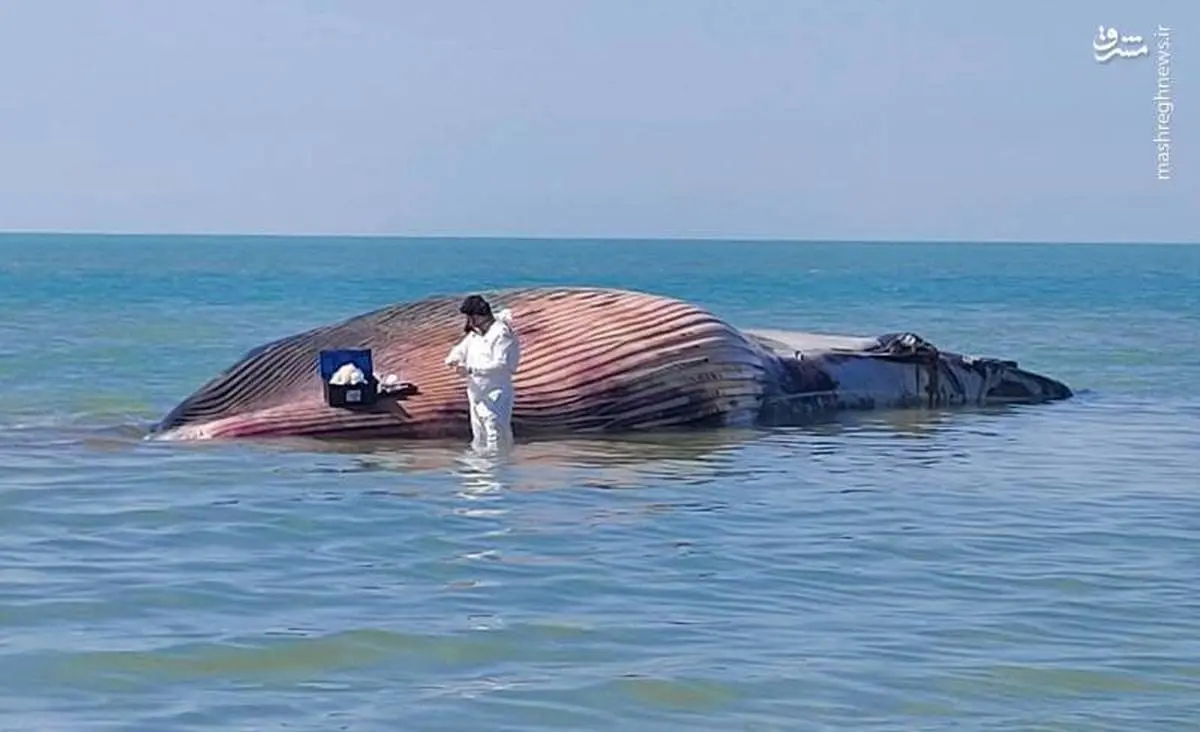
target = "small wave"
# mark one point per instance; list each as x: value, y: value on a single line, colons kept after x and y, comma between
x: 88, y: 429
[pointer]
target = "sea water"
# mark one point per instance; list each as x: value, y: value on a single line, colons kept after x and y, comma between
x: 1035, y: 567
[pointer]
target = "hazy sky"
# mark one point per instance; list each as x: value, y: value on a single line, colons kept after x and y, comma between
x: 741, y: 118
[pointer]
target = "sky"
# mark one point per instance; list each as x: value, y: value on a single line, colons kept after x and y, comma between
x: 874, y: 119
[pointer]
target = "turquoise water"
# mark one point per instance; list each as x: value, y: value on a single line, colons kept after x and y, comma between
x: 1034, y: 568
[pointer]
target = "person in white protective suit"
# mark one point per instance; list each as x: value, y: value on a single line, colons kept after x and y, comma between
x: 488, y: 355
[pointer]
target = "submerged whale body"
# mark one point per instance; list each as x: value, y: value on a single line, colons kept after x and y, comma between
x: 593, y: 361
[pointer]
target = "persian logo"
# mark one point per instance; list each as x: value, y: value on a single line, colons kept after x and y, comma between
x: 1107, y: 45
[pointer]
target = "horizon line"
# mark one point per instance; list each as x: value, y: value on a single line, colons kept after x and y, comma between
x: 569, y: 238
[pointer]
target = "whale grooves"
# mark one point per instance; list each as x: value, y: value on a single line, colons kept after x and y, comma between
x: 593, y: 361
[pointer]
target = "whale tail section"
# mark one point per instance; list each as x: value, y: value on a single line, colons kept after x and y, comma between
x: 820, y: 373
x: 1004, y: 381
x: 1015, y: 385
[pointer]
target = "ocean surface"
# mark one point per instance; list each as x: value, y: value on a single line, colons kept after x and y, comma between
x: 1032, y: 568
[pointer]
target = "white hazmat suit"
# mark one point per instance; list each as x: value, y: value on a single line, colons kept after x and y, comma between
x: 490, y: 360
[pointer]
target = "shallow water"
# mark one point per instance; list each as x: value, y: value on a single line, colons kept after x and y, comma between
x: 1022, y: 568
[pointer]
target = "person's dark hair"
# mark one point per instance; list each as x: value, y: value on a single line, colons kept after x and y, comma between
x: 475, y: 305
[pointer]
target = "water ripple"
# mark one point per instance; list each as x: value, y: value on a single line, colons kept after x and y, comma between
x: 855, y: 574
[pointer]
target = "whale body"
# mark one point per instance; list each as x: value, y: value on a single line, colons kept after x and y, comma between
x: 593, y: 360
